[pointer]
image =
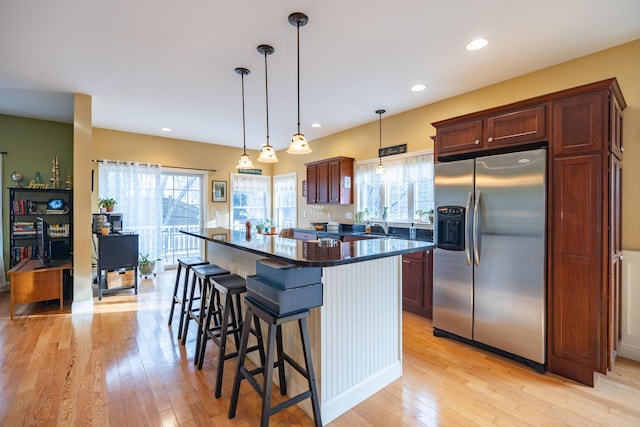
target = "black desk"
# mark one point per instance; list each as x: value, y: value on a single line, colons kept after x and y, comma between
x: 116, y: 251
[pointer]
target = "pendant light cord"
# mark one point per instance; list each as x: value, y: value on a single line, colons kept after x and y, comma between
x: 298, y: 27
x: 380, y: 113
x: 380, y: 136
x: 244, y: 133
x: 266, y: 92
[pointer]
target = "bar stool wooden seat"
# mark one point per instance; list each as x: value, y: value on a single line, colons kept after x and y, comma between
x: 186, y: 264
x: 274, y: 345
x: 229, y: 289
x: 196, y: 302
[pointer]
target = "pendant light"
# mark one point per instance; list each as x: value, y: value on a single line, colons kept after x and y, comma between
x: 268, y: 154
x: 380, y: 169
x: 299, y: 144
x: 245, y: 161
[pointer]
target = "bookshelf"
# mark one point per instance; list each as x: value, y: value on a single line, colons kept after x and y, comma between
x: 25, y: 205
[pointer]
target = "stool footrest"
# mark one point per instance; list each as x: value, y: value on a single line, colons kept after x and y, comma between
x: 290, y: 402
x: 295, y: 365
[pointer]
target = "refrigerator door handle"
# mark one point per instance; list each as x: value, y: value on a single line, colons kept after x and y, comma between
x: 467, y: 229
x: 476, y: 219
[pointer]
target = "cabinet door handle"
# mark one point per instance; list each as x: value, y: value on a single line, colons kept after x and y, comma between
x: 406, y: 261
x: 477, y: 141
x: 490, y: 139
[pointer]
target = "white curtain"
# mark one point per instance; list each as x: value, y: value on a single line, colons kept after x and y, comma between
x: 408, y: 169
x: 138, y: 192
x: 3, y: 279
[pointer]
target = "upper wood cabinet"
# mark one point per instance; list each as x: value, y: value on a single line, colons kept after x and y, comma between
x: 330, y: 181
x: 578, y: 125
x: 468, y: 135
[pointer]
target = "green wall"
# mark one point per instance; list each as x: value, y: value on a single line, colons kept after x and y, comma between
x: 31, y: 146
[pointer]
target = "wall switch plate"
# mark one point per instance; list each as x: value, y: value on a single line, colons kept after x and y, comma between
x: 349, y: 215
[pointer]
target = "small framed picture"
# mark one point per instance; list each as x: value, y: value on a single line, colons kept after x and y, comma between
x: 220, y: 237
x: 219, y: 191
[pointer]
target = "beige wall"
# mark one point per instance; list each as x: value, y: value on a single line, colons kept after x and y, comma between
x: 132, y: 147
x: 414, y: 127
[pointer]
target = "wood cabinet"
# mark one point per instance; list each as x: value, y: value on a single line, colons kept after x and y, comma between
x: 490, y: 131
x: 583, y: 132
x: 417, y: 283
x: 329, y: 181
x: 585, y: 252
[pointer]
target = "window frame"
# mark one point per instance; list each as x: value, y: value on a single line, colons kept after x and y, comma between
x: 376, y: 214
x: 232, y: 190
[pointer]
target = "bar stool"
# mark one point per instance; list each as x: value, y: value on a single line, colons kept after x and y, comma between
x: 185, y: 263
x: 274, y: 345
x: 201, y: 276
x: 229, y: 288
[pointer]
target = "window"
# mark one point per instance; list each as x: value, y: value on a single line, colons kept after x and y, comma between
x: 250, y: 199
x: 404, y: 190
x: 182, y: 209
x: 284, y: 200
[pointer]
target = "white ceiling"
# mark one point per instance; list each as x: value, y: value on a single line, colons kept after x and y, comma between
x: 162, y: 63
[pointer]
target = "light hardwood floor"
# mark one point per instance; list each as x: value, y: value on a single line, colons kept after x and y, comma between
x: 121, y: 365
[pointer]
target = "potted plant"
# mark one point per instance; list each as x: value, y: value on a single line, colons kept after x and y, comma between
x: 146, y: 265
x: 107, y: 204
x: 430, y: 215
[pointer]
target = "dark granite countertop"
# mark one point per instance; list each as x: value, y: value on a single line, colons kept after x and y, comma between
x: 311, y: 253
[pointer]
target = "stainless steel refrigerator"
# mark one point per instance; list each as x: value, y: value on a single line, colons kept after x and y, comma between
x: 489, y: 262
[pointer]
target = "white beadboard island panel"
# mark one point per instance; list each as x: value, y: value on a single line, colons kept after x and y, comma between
x: 356, y: 336
x: 630, y: 341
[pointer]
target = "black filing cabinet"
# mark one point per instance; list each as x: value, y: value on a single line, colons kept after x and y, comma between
x: 117, y: 254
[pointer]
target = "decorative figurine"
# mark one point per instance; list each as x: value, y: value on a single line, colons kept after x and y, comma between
x: 68, y: 181
x: 17, y: 178
x: 55, y: 173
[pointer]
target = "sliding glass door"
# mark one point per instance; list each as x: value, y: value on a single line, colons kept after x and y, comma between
x: 182, y: 209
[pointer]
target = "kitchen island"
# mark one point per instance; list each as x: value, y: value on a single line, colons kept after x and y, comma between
x: 356, y: 335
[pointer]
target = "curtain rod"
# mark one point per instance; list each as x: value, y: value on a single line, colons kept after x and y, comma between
x: 166, y: 166
x: 3, y: 152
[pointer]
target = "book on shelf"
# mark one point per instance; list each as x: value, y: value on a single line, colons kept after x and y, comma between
x: 20, y: 253
x: 23, y: 228
x: 23, y: 207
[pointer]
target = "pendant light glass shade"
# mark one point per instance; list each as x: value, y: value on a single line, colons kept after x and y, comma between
x: 380, y: 169
x: 245, y: 161
x: 268, y: 154
x: 299, y: 144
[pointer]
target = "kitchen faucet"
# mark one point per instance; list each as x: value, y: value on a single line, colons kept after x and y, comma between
x: 384, y: 225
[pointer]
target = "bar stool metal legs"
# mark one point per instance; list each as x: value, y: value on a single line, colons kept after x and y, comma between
x: 274, y: 339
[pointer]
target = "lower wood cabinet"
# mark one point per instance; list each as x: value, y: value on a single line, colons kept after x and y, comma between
x: 417, y: 283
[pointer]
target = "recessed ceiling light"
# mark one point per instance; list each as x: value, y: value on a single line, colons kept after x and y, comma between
x: 477, y: 44
x: 165, y: 129
x: 316, y: 125
x: 419, y: 87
